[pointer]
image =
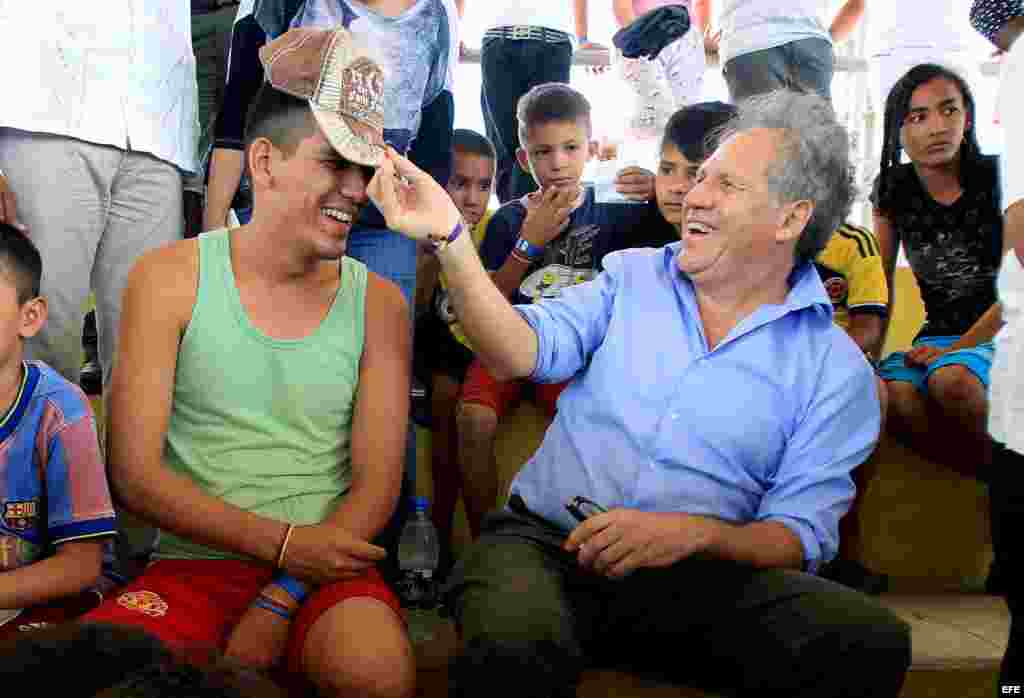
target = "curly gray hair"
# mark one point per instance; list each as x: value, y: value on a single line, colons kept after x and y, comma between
x: 813, y: 160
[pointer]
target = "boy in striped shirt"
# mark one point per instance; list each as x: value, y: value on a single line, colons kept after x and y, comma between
x: 56, y: 515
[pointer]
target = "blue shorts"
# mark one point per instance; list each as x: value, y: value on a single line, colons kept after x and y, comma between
x: 978, y: 360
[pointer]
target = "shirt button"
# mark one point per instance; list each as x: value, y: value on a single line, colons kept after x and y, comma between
x: 675, y: 416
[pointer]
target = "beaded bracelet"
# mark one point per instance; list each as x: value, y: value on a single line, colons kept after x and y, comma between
x: 292, y: 586
x: 275, y: 608
x: 438, y: 244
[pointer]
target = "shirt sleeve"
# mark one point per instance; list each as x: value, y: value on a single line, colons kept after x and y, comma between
x: 245, y: 76
x: 77, y: 494
x: 813, y: 487
x: 500, y: 237
x: 869, y: 292
x: 571, y: 327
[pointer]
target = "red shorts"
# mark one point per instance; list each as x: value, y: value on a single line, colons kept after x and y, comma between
x: 192, y: 605
x: 482, y: 388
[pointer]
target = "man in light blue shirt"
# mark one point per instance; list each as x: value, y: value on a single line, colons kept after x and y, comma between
x: 715, y: 411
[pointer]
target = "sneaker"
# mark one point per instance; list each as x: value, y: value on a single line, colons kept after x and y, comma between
x: 91, y: 378
x: 851, y: 573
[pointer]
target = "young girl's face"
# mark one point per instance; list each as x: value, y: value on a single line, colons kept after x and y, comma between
x: 936, y: 121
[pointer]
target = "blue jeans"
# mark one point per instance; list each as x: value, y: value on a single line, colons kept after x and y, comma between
x: 804, y: 64
x: 392, y: 256
x: 509, y: 68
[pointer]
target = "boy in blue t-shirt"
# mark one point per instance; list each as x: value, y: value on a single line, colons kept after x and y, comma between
x: 540, y: 244
x: 56, y: 515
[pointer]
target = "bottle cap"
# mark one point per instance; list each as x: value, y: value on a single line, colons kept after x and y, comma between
x: 420, y: 504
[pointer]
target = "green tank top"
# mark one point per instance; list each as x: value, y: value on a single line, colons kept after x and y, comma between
x: 263, y: 423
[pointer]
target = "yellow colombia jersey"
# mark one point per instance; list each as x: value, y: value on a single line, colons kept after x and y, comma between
x: 441, y: 304
x: 851, y: 270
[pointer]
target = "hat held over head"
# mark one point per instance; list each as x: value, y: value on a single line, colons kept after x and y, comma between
x: 344, y: 87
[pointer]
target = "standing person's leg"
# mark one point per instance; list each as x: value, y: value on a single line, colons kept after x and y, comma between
x: 763, y: 632
x: 524, y: 613
x: 62, y: 186
x: 811, y: 65
x: 684, y: 62
x: 1006, y: 491
x: 144, y: 214
x: 755, y: 73
x: 501, y: 85
x: 543, y: 62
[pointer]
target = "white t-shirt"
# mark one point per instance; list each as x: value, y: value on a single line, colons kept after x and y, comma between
x: 900, y: 24
x: 1006, y: 390
x: 756, y: 25
x: 553, y: 14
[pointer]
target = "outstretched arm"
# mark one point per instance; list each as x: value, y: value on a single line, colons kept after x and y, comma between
x: 846, y: 20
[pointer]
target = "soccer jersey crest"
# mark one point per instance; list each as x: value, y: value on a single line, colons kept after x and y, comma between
x: 144, y: 602
x: 21, y: 515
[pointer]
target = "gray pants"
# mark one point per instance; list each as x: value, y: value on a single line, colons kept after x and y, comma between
x: 92, y: 210
x: 531, y: 620
x: 806, y: 64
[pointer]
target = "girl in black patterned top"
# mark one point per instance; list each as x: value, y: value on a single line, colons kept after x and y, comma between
x: 943, y: 206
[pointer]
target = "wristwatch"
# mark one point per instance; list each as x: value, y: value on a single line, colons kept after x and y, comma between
x: 527, y: 249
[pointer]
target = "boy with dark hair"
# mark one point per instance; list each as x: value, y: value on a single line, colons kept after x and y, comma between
x: 534, y: 248
x: 441, y: 344
x: 56, y: 515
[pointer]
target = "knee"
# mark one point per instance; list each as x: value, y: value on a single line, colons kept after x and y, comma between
x: 956, y: 386
x: 376, y: 675
x: 870, y: 635
x: 901, y: 399
x: 500, y: 668
x: 883, y: 401
x: 476, y: 422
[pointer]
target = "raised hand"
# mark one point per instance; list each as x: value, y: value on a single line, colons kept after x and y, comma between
x: 412, y: 202
x: 548, y: 217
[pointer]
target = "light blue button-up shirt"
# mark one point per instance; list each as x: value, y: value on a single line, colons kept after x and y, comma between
x: 767, y: 426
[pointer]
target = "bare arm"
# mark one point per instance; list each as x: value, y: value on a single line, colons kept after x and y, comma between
x: 72, y: 569
x: 1013, y: 231
x: 866, y: 330
x: 381, y: 413
x: 983, y: 330
x: 140, y: 408
x: 846, y: 20
x: 510, y: 275
x: 460, y: 5
x: 624, y: 13
x: 580, y: 10
x: 700, y: 14
x: 226, y: 166
x: 889, y: 247
x: 765, y: 544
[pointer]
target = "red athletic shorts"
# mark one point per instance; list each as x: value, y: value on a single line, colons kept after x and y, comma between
x: 192, y: 605
x: 482, y: 388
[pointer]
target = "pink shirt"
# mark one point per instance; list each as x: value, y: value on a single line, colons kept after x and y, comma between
x: 642, y: 6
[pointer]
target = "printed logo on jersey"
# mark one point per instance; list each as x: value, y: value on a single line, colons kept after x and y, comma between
x: 21, y: 515
x: 837, y: 287
x: 144, y: 602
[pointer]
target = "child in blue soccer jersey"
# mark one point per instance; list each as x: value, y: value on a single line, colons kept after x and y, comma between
x: 56, y: 514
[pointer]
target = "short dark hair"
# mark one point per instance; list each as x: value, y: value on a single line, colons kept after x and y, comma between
x: 470, y: 142
x: 548, y: 103
x: 695, y: 129
x: 21, y: 262
x: 279, y: 117
x: 897, y: 104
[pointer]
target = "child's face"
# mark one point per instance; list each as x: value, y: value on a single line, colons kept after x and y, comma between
x: 18, y: 321
x: 673, y: 182
x: 470, y: 184
x: 556, y: 153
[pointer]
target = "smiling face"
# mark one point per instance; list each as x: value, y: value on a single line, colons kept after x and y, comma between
x: 556, y: 153
x: 675, y: 178
x: 470, y: 184
x: 316, y: 194
x: 734, y: 223
x: 933, y: 130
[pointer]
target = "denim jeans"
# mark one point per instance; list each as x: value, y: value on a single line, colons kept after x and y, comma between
x: 806, y: 63
x: 509, y: 68
x: 393, y: 256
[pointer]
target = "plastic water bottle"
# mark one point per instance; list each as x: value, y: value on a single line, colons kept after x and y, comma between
x: 418, y: 554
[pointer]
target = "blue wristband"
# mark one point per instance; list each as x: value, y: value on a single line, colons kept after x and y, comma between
x: 267, y: 605
x: 527, y: 249
x: 292, y: 586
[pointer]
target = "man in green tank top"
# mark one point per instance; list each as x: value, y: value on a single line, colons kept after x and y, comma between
x: 259, y: 417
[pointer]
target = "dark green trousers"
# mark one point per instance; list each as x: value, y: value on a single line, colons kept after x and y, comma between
x: 531, y: 621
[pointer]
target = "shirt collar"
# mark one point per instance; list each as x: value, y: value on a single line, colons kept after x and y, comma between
x: 805, y: 287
